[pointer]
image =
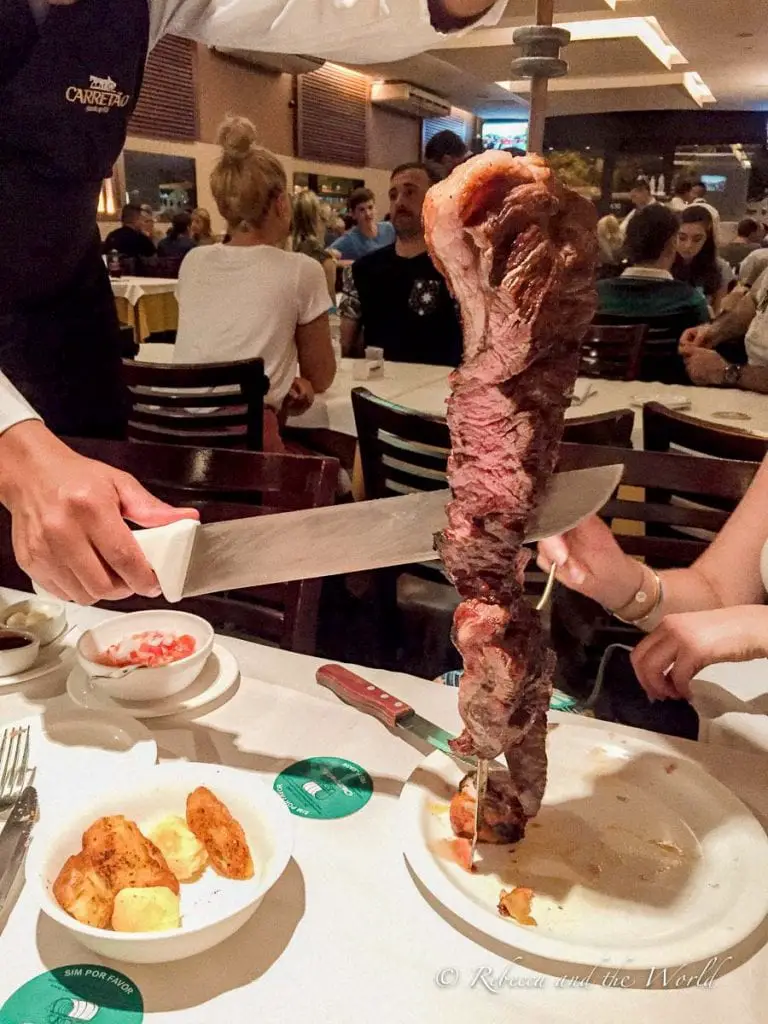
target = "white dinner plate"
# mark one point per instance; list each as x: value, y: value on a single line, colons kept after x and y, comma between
x: 637, y: 859
x: 69, y: 746
x: 218, y: 677
x: 56, y: 656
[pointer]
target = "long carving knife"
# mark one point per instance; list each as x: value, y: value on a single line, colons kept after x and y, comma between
x: 190, y: 559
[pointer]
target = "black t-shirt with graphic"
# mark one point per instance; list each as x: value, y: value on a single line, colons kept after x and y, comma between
x: 405, y: 308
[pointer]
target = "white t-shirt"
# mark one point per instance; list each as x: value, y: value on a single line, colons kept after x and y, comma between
x: 756, y: 339
x: 241, y: 302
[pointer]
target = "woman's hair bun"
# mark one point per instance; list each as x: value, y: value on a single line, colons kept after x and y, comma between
x: 237, y: 137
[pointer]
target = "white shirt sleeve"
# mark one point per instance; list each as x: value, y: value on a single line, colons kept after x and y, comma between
x: 313, y: 298
x: 13, y: 407
x: 359, y: 31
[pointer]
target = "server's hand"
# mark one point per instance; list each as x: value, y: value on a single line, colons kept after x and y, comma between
x: 68, y: 518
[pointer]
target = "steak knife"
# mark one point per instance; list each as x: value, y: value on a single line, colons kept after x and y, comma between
x: 392, y: 711
x: 190, y: 559
x: 14, y: 840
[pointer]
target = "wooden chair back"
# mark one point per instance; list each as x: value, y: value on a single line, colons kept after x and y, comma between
x: 210, y: 405
x: 402, y: 450
x: 659, y: 357
x: 612, y: 351
x: 665, y: 430
x: 231, y: 485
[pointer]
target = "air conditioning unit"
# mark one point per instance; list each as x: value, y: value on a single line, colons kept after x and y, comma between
x: 284, y: 63
x: 409, y: 99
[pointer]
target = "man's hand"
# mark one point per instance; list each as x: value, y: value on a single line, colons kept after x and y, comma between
x: 682, y: 645
x: 705, y: 367
x: 299, y: 398
x: 68, y: 516
x: 696, y: 337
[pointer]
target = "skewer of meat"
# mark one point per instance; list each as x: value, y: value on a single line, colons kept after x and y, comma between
x: 518, y: 251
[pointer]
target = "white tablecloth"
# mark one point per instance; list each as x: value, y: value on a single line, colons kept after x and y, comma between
x: 346, y: 936
x: 135, y: 288
x: 425, y: 388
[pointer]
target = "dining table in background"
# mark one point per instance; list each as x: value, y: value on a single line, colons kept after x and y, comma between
x: 147, y: 304
x: 425, y: 389
x: 347, y: 934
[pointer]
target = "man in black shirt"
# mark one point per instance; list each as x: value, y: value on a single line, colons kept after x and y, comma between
x: 395, y: 299
x: 130, y: 240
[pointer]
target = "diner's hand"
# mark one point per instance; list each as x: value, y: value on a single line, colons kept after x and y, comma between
x: 695, y: 338
x: 682, y: 645
x: 591, y: 562
x: 300, y: 397
x: 68, y: 518
x: 705, y: 367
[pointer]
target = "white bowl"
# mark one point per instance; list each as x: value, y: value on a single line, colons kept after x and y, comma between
x: 213, y: 908
x: 19, y: 659
x: 46, y: 632
x: 145, y: 683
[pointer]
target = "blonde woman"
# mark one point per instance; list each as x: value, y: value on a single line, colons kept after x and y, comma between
x: 610, y: 239
x: 250, y: 297
x: 309, y: 236
x: 201, y: 227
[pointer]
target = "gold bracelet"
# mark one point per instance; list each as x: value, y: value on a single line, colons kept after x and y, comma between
x: 640, y: 598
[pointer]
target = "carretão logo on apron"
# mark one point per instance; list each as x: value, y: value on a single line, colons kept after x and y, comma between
x: 100, y: 97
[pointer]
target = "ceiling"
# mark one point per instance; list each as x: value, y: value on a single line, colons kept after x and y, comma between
x: 700, y: 53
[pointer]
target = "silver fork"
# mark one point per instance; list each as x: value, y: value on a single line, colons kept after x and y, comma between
x: 14, y: 761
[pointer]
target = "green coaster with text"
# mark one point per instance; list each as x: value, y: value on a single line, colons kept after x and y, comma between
x: 80, y: 992
x: 324, y: 787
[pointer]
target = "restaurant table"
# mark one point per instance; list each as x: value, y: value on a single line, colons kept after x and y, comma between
x: 425, y: 389
x: 347, y: 936
x: 148, y: 304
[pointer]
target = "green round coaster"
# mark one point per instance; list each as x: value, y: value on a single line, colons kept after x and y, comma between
x: 80, y: 992
x: 324, y: 787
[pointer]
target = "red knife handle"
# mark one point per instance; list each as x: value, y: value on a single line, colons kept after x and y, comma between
x: 363, y: 695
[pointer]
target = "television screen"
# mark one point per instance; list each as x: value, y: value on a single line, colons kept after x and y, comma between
x: 714, y: 182
x: 505, y: 135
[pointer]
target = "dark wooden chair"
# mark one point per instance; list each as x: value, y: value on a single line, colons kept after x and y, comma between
x: 612, y: 351
x: 659, y: 357
x: 175, y: 404
x: 581, y: 629
x: 665, y: 430
x: 230, y: 485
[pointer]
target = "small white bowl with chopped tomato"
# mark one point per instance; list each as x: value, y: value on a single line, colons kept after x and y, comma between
x: 145, y: 656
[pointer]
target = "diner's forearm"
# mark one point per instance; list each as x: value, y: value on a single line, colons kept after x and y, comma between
x: 733, y: 324
x: 754, y: 378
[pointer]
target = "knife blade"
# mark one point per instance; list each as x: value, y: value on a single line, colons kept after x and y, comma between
x: 190, y: 559
x: 14, y: 839
x: 394, y: 712
x: 481, y: 785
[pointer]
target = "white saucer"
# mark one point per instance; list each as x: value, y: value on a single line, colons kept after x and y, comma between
x: 69, y: 746
x: 56, y: 656
x: 676, y: 402
x: 219, y: 675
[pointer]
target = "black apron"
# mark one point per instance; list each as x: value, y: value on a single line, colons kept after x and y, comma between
x: 63, y: 122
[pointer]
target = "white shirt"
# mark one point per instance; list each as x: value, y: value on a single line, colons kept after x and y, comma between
x: 242, y: 302
x: 756, y: 338
x: 359, y: 31
x: 13, y: 407
x: 677, y: 204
